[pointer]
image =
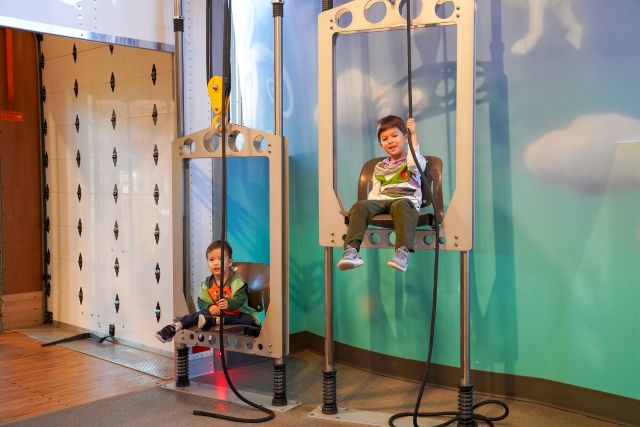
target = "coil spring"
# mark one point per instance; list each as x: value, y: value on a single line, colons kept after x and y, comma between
x: 329, y: 398
x: 279, y: 385
x: 465, y: 406
x: 182, y: 367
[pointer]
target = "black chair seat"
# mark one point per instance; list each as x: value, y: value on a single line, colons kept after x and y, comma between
x: 433, y: 171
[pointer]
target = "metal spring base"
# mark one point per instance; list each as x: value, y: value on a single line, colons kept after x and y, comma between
x: 182, y: 367
x: 465, y: 406
x: 329, y: 399
x: 279, y: 385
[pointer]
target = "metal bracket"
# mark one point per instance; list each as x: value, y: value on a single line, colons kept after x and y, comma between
x: 79, y: 192
x: 80, y: 261
x: 156, y: 194
x: 154, y: 74
x: 74, y: 53
x: 46, y: 192
x: 114, y: 156
x: 78, y: 157
x: 116, y: 267
x: 156, y: 233
x: 47, y: 224
x: 80, y: 227
x: 42, y: 61
x: 45, y: 160
x: 113, y: 119
x: 112, y: 82
x: 158, y: 312
x: 115, y: 193
x: 111, y: 49
x: 43, y: 94
x: 157, y: 271
x: 44, y: 127
x: 80, y: 295
x: 77, y: 124
x: 154, y: 115
x: 75, y: 87
x: 47, y: 256
x: 116, y: 230
x: 155, y: 154
x: 116, y: 303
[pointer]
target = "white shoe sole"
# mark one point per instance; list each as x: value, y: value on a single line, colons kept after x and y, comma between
x: 162, y: 340
x: 349, y: 265
x: 396, y: 266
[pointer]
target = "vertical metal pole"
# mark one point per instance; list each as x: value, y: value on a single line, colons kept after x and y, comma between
x: 464, y: 319
x: 465, y: 389
x: 280, y: 396
x: 178, y: 59
x: 328, y: 310
x: 329, y: 395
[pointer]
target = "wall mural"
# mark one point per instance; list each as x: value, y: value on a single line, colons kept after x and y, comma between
x: 555, y: 263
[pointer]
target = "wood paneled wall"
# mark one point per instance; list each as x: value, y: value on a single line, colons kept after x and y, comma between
x: 20, y: 171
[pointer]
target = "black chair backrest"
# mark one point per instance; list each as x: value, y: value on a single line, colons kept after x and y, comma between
x: 257, y: 277
x: 433, y: 171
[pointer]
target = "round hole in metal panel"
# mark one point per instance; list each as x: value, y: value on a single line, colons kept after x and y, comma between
x: 201, y: 337
x: 428, y: 239
x: 211, y: 141
x: 260, y: 347
x: 236, y: 141
x: 189, y: 146
x: 344, y: 18
x: 444, y: 9
x: 416, y: 8
x: 375, y: 11
x: 442, y: 241
x: 249, y: 345
x: 391, y: 238
x: 374, y: 238
x: 260, y: 143
x: 211, y: 339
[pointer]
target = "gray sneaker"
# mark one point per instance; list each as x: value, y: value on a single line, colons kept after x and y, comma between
x: 350, y: 259
x: 401, y: 260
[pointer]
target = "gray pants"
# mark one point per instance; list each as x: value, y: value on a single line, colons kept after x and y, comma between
x: 404, y: 214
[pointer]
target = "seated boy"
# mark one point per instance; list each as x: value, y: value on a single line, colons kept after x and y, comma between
x: 233, y: 304
x: 396, y: 190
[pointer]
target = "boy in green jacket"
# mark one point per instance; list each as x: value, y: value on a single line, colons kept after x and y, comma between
x: 232, y: 303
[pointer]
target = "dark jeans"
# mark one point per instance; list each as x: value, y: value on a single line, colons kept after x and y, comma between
x: 404, y: 214
x: 229, y: 319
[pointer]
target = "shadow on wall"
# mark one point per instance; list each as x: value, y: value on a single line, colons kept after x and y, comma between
x: 500, y: 306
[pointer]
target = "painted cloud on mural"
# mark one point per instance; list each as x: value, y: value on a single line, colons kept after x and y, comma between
x: 585, y: 156
x: 361, y: 100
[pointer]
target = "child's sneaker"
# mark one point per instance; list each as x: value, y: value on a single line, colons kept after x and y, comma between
x: 206, y: 321
x: 350, y: 259
x: 401, y: 260
x: 166, y: 334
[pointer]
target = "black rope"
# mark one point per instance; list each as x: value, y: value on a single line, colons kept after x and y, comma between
x: 416, y: 414
x: 226, y: 90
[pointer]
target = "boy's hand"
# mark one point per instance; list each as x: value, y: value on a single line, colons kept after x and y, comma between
x: 411, y: 125
x: 214, y: 310
x: 223, y: 304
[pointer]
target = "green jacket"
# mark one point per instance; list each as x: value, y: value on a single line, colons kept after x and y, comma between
x: 239, y: 295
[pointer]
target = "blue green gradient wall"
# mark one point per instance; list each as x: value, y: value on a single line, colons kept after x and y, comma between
x: 555, y: 271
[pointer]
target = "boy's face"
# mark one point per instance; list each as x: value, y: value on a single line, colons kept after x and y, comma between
x: 394, y: 143
x: 215, y: 262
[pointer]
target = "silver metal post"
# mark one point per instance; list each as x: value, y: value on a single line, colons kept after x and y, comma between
x: 178, y: 59
x: 277, y: 64
x: 464, y: 319
x: 328, y: 310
